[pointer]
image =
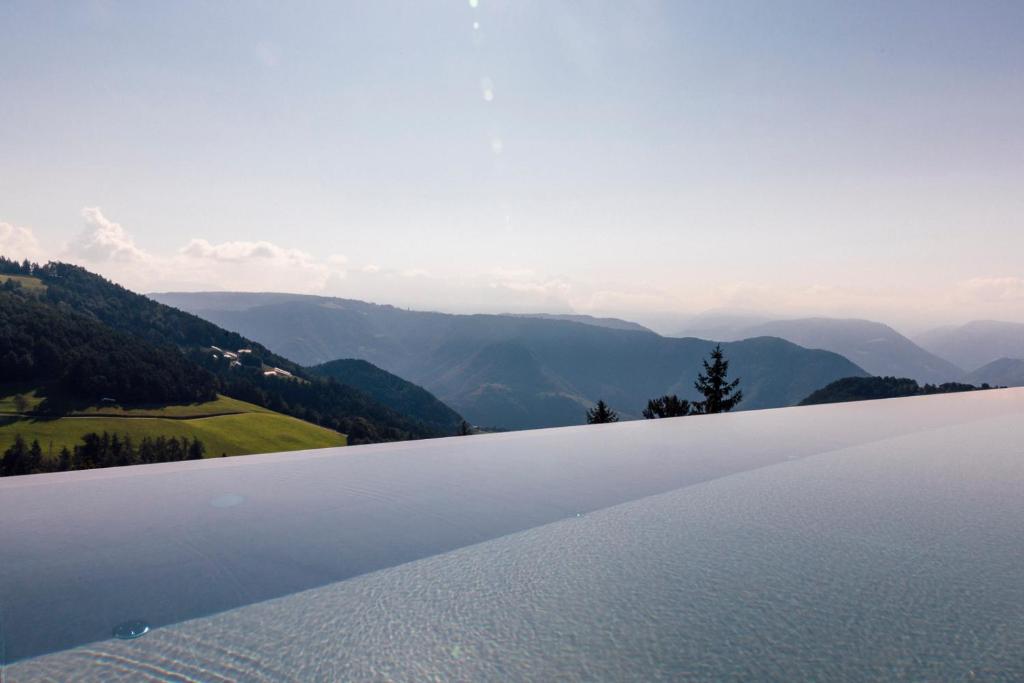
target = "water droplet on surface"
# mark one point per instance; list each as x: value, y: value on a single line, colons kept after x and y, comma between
x: 227, y: 500
x: 130, y: 630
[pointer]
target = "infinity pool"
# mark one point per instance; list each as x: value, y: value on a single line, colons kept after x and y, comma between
x: 878, y: 540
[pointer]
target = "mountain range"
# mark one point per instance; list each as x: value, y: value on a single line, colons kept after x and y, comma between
x: 944, y: 354
x: 876, y: 347
x: 976, y: 343
x: 514, y: 371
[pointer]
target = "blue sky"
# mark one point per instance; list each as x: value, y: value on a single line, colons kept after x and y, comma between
x: 640, y: 159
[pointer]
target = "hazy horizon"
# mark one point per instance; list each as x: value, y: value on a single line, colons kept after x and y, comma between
x: 647, y: 162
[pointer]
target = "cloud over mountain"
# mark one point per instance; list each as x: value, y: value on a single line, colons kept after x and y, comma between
x: 104, y: 240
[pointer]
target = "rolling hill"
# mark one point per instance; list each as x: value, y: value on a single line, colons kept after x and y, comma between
x: 405, y: 397
x: 979, y: 342
x: 877, y: 348
x: 512, y: 371
x: 1005, y: 372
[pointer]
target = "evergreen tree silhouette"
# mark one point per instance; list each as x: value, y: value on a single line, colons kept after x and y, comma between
x: 35, y: 457
x: 15, y: 459
x: 715, y: 387
x: 667, y: 406
x: 196, y: 450
x: 601, y: 414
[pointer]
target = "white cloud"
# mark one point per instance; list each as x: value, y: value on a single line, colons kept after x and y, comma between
x: 258, y: 265
x: 103, y: 240
x: 246, y: 252
x: 17, y: 242
x: 107, y: 247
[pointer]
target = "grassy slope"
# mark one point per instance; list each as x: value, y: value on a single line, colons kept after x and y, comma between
x: 220, y: 406
x: 28, y: 282
x: 243, y: 430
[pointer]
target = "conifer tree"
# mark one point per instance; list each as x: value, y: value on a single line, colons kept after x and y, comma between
x: 196, y: 450
x: 65, y: 462
x: 35, y: 458
x: 718, y: 391
x: 15, y: 459
x: 667, y: 406
x: 601, y: 414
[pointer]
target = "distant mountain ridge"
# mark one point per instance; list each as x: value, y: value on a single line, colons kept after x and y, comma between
x: 976, y: 343
x: 513, y: 371
x: 610, y: 323
x: 876, y: 347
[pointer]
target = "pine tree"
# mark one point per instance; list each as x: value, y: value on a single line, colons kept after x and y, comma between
x: 601, y: 414
x: 196, y: 449
x: 15, y: 459
x: 65, y: 461
x: 667, y: 406
x: 715, y: 387
x: 465, y: 429
x: 35, y: 458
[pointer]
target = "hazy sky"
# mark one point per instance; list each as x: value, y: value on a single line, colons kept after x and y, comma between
x: 645, y: 159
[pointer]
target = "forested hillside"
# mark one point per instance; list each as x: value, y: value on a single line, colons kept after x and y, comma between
x: 409, y: 399
x: 148, y: 339
x: 869, y: 388
x: 44, y: 343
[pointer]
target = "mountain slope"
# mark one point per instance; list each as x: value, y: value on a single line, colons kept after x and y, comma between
x: 407, y: 398
x: 511, y: 371
x: 877, y: 348
x: 185, y: 340
x: 1005, y: 372
x: 976, y: 343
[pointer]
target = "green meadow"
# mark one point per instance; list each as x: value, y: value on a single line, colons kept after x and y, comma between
x: 226, y: 426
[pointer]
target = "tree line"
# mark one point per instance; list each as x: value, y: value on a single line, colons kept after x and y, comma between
x: 869, y: 388
x: 720, y: 395
x: 98, y: 450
